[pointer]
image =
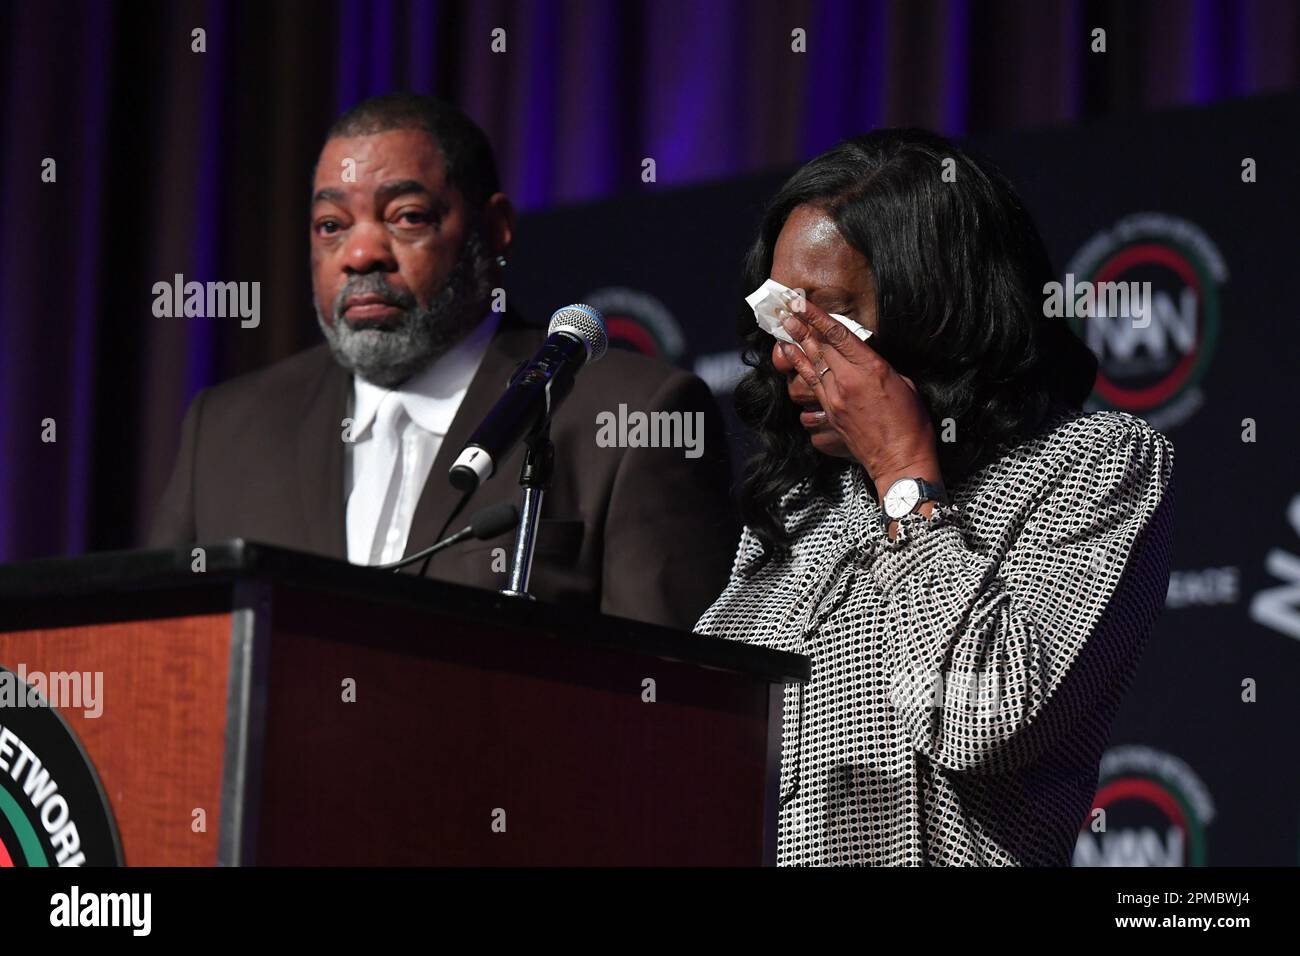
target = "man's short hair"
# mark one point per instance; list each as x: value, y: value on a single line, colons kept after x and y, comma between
x: 466, y: 153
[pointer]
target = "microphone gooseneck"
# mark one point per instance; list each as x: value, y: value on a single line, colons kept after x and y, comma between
x: 492, y: 521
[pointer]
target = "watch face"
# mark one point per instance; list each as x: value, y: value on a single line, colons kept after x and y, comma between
x: 902, y: 497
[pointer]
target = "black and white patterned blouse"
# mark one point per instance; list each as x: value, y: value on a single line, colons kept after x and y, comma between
x: 966, y: 674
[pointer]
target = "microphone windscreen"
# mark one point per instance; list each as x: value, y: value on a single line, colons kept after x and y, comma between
x: 584, y: 322
x: 494, y: 520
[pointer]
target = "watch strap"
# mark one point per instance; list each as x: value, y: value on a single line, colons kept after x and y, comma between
x: 931, y: 492
x: 928, y: 491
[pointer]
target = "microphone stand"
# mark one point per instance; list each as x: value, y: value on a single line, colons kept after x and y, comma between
x: 534, y: 479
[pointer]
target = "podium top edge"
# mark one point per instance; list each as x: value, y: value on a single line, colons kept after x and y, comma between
x: 36, y: 586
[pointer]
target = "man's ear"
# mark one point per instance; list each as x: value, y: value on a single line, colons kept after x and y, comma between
x: 499, y: 223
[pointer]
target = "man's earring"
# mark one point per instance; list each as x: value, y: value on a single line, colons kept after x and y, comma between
x: 501, y: 261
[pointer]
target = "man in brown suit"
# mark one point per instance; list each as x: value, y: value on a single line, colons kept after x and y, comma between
x: 409, y: 233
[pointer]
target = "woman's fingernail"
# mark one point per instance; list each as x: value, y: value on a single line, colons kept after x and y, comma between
x: 790, y: 322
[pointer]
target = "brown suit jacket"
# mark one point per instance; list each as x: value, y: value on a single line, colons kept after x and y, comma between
x: 644, y: 533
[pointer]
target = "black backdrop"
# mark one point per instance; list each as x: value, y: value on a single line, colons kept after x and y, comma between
x: 1202, y: 767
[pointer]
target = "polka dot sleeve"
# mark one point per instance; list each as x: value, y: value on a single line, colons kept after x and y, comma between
x: 984, y: 641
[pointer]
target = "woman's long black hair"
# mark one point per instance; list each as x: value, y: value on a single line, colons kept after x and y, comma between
x: 959, y: 270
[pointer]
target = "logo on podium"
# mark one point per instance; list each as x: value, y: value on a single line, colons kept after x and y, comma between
x: 53, y: 810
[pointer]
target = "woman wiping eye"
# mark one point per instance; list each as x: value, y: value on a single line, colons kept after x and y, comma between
x: 972, y: 562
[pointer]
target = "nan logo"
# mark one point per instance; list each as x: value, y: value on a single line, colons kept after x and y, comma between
x: 1152, y: 354
x: 1151, y: 809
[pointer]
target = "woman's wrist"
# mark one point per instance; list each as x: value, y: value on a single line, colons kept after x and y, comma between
x: 926, y: 468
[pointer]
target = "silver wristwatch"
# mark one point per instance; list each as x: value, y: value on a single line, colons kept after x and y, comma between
x: 906, y: 494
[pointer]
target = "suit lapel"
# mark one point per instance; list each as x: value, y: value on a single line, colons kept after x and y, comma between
x: 514, y: 342
x: 320, y: 461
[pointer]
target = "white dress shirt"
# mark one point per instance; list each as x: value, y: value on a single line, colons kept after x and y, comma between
x: 396, y: 434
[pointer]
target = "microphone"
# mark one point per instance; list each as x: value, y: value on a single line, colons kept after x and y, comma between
x: 486, y: 524
x: 575, y: 337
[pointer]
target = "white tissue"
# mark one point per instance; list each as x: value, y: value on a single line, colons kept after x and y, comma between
x: 767, y: 299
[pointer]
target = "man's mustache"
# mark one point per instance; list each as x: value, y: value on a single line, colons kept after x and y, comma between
x: 373, y: 284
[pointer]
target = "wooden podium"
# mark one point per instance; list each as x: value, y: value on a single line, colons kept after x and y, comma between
x: 319, y: 713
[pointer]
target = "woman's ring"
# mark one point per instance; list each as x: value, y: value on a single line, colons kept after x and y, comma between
x: 822, y: 373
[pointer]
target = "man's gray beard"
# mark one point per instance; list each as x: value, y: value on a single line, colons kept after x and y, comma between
x: 407, y: 345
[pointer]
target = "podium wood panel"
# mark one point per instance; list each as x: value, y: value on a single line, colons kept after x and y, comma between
x: 555, y: 734
x: 159, y: 755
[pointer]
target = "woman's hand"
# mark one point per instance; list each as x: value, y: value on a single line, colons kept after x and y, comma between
x: 878, y: 413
